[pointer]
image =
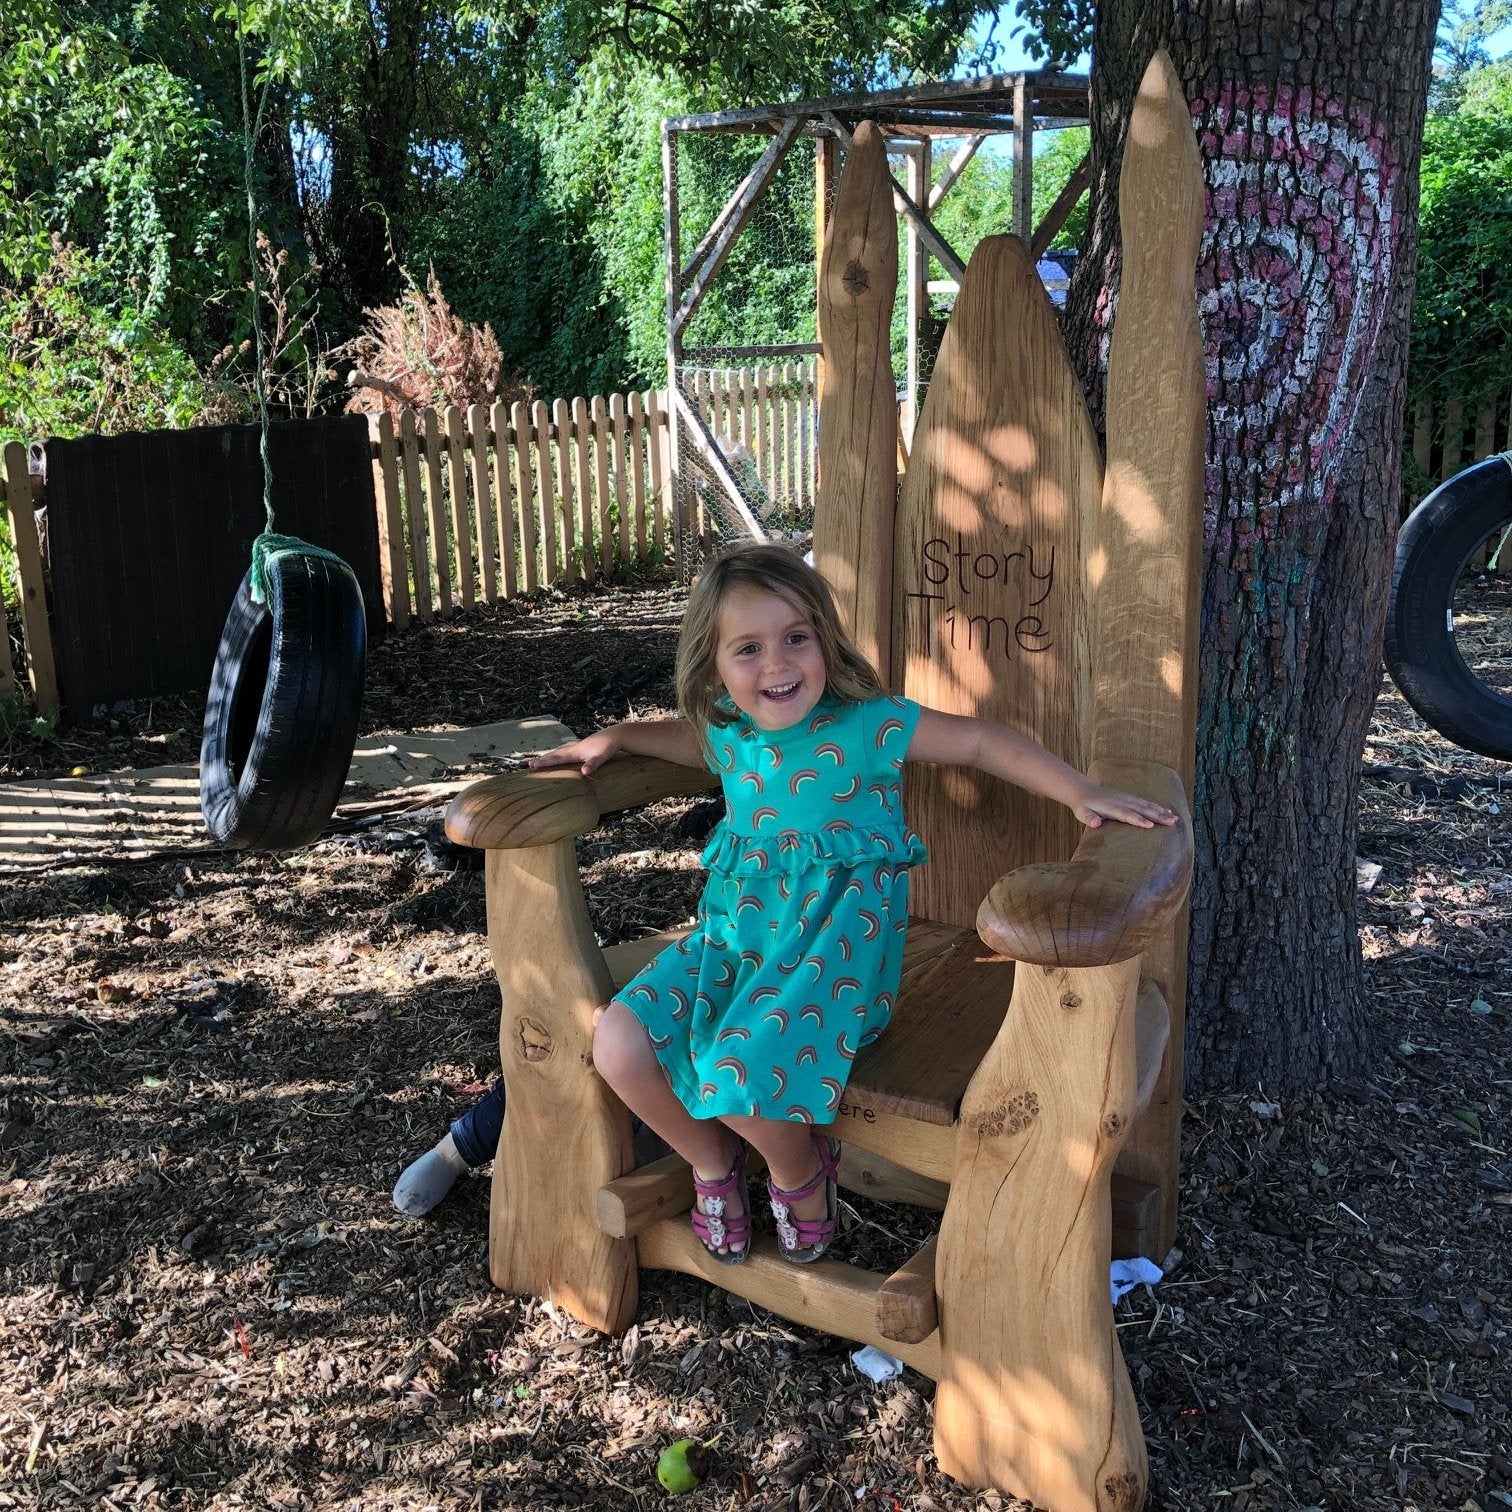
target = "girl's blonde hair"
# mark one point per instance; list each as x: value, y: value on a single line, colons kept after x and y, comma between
x: 763, y: 568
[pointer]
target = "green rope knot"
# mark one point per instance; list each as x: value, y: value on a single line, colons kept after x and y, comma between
x: 270, y: 545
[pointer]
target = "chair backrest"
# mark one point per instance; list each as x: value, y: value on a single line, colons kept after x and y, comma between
x: 982, y: 587
x: 991, y: 618
x: 969, y: 589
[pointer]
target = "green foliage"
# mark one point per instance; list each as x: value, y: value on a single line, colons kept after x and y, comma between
x: 981, y: 202
x: 1056, y: 32
x: 568, y: 269
x: 71, y: 364
x: 1465, y: 27
x: 517, y: 146
x: 118, y: 153
x: 1462, y: 316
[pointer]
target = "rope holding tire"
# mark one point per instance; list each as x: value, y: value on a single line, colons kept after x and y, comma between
x: 285, y: 697
x: 1436, y: 543
x: 286, y: 690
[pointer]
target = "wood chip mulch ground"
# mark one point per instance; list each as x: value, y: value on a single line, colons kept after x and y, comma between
x: 213, y: 1069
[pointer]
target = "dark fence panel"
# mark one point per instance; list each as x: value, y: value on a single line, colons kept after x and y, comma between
x: 149, y: 535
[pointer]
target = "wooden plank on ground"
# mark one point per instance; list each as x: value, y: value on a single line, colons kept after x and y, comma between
x: 477, y: 426
x: 41, y: 665
x: 392, y: 560
x: 524, y: 497
x: 419, y: 528
x: 440, y: 548
x: 462, y: 532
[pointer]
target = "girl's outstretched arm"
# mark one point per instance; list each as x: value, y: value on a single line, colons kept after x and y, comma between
x: 954, y: 740
x: 671, y: 739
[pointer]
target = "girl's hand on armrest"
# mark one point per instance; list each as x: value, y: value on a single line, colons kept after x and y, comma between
x: 587, y: 754
x: 1100, y: 803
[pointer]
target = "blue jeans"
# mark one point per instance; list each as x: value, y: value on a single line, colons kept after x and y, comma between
x: 476, y: 1133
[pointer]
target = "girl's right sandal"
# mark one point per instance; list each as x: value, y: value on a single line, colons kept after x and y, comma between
x: 802, y: 1240
x: 712, y: 1226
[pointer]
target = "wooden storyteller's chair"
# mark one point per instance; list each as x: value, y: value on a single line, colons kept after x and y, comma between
x: 1036, y: 1037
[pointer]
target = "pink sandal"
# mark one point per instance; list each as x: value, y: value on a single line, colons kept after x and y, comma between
x: 711, y: 1225
x: 802, y: 1240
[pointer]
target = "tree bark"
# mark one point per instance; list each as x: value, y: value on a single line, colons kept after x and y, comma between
x: 1309, y: 114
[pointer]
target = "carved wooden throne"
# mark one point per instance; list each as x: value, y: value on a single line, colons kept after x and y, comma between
x: 1036, y: 1038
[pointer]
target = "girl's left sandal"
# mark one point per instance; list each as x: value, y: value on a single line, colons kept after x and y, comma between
x: 803, y: 1240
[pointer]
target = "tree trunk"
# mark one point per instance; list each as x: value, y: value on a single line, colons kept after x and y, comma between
x: 1309, y: 114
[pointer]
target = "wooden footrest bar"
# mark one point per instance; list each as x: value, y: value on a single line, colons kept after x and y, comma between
x: 827, y: 1295
x: 907, y: 1308
x: 664, y: 1189
x: 649, y: 1193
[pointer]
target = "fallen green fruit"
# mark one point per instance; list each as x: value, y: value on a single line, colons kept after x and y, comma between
x: 681, y: 1466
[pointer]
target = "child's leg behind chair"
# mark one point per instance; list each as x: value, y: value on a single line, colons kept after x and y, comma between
x: 468, y: 1144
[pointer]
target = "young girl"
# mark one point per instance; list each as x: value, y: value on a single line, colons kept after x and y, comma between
x: 744, y: 1032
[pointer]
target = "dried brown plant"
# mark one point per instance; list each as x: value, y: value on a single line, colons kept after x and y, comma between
x: 419, y: 354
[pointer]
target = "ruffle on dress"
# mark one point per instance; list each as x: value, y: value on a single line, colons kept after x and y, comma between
x: 789, y: 851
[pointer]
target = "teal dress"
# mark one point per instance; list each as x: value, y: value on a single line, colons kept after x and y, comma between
x: 793, y: 965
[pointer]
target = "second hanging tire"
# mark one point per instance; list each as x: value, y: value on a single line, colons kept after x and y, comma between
x: 285, y: 698
x: 1435, y: 545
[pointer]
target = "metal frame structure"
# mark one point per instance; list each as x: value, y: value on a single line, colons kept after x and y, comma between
x: 912, y: 120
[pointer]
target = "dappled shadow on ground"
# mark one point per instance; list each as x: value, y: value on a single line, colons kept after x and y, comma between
x: 214, y: 1068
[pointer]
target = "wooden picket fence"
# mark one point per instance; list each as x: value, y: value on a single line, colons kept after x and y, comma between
x: 1448, y: 435
x: 481, y: 505
x: 773, y: 412
x: 21, y: 493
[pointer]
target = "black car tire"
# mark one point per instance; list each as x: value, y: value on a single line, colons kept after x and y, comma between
x: 1436, y: 541
x: 285, y: 697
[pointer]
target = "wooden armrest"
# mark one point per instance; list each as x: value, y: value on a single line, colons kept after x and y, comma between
x: 523, y: 809
x: 1112, y: 899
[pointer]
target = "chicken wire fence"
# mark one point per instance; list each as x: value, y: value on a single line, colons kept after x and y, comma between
x: 746, y: 362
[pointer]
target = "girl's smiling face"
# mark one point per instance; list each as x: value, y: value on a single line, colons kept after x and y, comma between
x: 768, y: 658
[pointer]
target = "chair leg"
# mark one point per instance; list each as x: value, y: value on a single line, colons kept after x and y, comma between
x: 1034, y: 1397
x: 565, y: 1133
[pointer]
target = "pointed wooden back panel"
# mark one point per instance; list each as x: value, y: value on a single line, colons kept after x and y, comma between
x: 1146, y: 567
x: 997, y: 509
x: 858, y: 407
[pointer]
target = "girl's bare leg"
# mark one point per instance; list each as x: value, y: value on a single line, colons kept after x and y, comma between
x: 788, y: 1149
x: 623, y: 1056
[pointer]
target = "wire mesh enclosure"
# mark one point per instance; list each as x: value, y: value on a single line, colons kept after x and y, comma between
x: 747, y: 199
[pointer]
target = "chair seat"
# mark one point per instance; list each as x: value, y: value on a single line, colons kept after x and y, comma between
x: 950, y: 1006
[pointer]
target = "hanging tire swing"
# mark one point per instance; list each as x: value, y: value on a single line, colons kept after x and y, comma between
x: 285, y: 696
x: 1439, y: 540
x: 286, y: 690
